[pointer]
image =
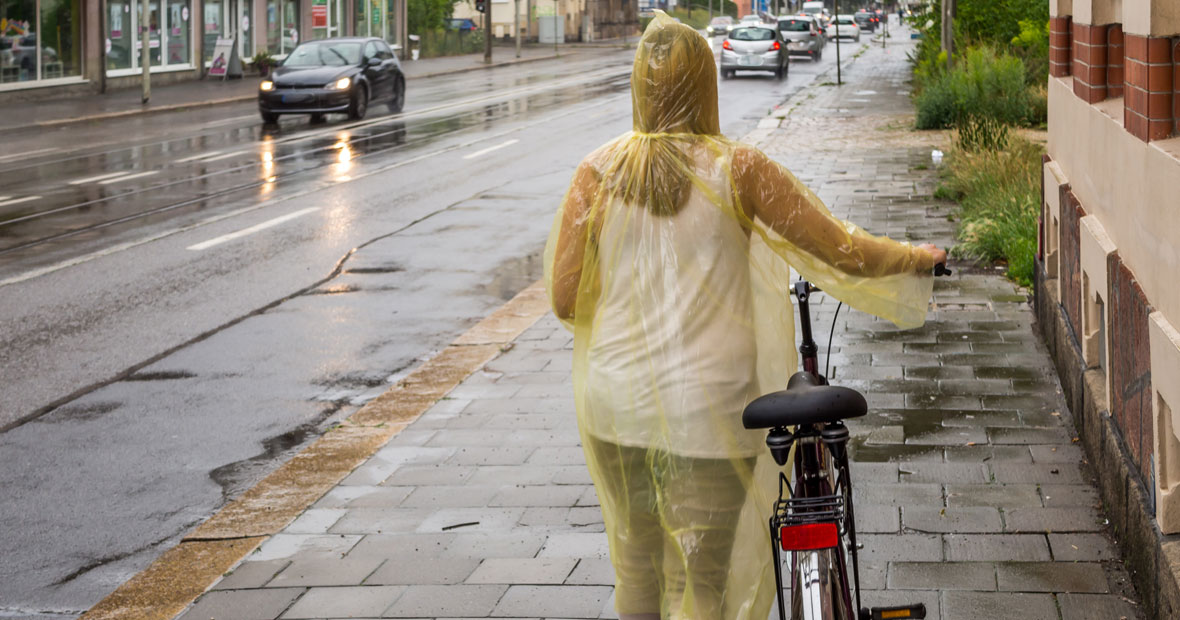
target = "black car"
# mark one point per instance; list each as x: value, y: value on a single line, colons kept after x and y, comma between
x: 866, y: 20
x: 333, y: 75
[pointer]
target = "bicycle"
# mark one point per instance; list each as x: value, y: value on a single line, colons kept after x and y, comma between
x: 814, y: 517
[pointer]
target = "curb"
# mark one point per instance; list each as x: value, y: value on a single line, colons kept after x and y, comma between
x: 175, y: 579
x: 176, y: 107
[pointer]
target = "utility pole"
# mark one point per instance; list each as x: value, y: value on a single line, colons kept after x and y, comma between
x: 516, y: 26
x: 556, y: 14
x: 948, y: 30
x: 487, y: 34
x: 836, y: 20
x: 145, y: 41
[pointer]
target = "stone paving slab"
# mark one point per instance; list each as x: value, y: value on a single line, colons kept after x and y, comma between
x: 972, y: 496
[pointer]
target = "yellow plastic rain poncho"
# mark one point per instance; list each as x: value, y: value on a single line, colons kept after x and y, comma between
x: 669, y: 260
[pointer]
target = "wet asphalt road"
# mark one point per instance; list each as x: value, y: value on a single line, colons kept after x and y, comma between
x: 190, y: 298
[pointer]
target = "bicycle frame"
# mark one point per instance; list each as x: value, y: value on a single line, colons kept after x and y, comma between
x: 822, y: 493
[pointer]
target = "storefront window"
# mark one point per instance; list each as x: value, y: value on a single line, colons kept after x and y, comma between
x: 229, y: 19
x: 39, y: 40
x: 120, y: 38
x: 169, y: 34
x: 179, y: 35
x: 213, y: 27
x: 326, y: 18
x: 61, y: 41
x: 282, y: 26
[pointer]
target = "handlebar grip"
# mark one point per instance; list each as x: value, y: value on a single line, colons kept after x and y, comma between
x: 940, y: 269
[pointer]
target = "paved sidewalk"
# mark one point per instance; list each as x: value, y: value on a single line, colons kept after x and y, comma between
x: 212, y: 91
x: 972, y: 495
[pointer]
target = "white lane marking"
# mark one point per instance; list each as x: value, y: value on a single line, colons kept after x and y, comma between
x: 196, y: 157
x: 222, y: 156
x: 227, y: 121
x: 98, y: 178
x: 26, y: 154
x: 129, y: 177
x: 5, y: 197
x: 18, y: 200
x: 204, y: 245
x: 122, y: 247
x: 491, y: 148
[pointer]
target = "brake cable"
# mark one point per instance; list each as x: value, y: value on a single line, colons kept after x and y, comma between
x: 832, y: 332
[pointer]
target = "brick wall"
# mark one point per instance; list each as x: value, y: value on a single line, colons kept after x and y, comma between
x: 1130, y: 363
x: 1115, y: 74
x: 1059, y: 46
x: 1148, y: 113
x: 1089, y: 62
x: 1071, y: 268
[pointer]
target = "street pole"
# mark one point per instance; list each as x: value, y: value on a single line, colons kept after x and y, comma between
x: 487, y: 34
x: 516, y: 26
x: 555, y: 15
x: 145, y: 55
x: 836, y: 17
x: 948, y: 30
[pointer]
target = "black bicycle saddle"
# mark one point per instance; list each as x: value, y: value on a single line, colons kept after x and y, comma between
x: 804, y: 401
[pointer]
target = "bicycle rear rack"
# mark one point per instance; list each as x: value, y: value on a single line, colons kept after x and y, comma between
x: 806, y: 510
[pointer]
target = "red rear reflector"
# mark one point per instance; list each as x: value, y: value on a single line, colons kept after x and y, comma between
x: 725, y: 45
x: 810, y: 536
x: 774, y: 46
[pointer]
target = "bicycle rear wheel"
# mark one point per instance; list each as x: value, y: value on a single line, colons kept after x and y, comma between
x: 819, y: 586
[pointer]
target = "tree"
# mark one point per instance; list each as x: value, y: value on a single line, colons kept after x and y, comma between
x: 423, y: 15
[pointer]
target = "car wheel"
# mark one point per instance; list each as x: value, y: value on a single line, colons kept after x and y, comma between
x: 270, y: 118
x: 360, y: 103
x: 725, y: 74
x: 857, y: 39
x: 778, y: 73
x: 399, y: 96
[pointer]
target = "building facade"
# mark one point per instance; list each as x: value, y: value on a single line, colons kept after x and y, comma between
x: 51, y: 46
x: 583, y: 20
x: 1107, y: 293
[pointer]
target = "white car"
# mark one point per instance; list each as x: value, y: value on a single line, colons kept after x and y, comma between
x: 844, y: 26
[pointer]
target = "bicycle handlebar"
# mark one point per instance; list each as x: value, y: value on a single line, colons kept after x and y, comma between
x: 940, y: 269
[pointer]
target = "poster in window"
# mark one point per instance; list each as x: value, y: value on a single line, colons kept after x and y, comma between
x: 319, y: 16
x: 116, y: 21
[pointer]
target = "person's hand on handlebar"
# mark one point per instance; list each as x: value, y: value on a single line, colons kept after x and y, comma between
x: 938, y: 255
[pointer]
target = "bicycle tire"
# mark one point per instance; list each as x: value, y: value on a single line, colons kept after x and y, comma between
x: 818, y: 583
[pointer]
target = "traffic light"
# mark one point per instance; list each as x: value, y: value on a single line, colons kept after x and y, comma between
x: 481, y: 5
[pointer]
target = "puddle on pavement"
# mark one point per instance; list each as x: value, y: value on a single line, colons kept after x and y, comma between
x: 234, y: 478
x: 80, y: 412
x: 514, y: 275
x: 161, y: 375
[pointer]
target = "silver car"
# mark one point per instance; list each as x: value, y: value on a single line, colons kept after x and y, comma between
x: 756, y: 48
x: 803, y: 36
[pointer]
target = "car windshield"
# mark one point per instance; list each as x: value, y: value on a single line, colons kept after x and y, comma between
x: 752, y: 34
x: 794, y: 25
x: 844, y: 20
x: 325, y: 54
x: 717, y: 21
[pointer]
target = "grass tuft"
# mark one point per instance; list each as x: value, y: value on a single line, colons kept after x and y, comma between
x: 998, y: 191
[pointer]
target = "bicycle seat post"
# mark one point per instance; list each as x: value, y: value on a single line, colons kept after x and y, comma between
x: 808, y: 350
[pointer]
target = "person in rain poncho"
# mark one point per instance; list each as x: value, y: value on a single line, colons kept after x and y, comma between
x: 669, y: 260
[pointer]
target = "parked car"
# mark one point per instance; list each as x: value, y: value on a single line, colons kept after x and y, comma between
x: 754, y: 48
x: 719, y: 25
x: 462, y: 24
x: 803, y: 36
x: 844, y: 26
x: 334, y: 75
x: 865, y: 20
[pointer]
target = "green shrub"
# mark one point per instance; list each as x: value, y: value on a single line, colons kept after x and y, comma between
x: 982, y: 84
x: 999, y: 197
x: 448, y: 42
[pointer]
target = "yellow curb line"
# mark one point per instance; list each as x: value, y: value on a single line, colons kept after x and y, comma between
x: 183, y: 573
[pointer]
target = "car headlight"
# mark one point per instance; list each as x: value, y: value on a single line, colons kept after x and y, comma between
x: 341, y: 84
x: 266, y: 85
